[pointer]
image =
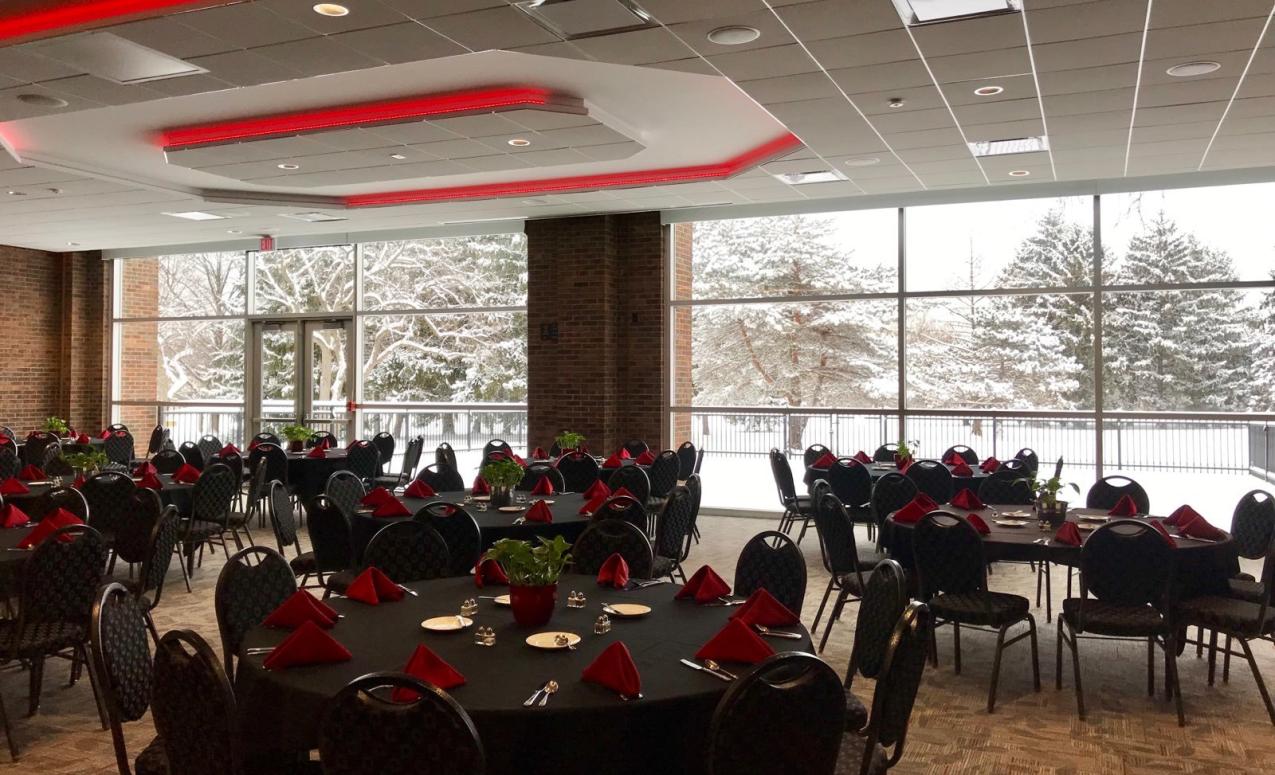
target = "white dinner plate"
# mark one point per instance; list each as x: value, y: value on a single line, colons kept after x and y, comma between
x: 37, y: 484
x: 1015, y: 514
x: 511, y: 509
x: 447, y: 623
x: 482, y: 498
x: 549, y: 640
x: 1086, y: 527
x: 1093, y: 517
x: 626, y: 610
x: 1012, y: 522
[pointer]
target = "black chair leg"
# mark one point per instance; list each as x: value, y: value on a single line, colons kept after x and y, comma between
x: 1171, y: 682
x: 826, y: 594
x: 996, y: 668
x: 1150, y: 667
x: 1031, y: 623
x: 97, y: 695
x: 1058, y: 658
x: 1212, y: 655
x: 956, y: 647
x: 35, y: 685
x: 833, y: 616
x: 1226, y: 661
x: 1199, y: 642
x: 1257, y: 676
x: 8, y: 731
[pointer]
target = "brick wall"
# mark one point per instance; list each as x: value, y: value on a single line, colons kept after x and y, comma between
x: 139, y: 342
x: 680, y: 375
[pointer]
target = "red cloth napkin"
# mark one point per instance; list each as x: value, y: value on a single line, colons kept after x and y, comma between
x: 762, y: 608
x: 623, y: 453
x: 151, y: 482
x: 12, y: 486
x: 372, y: 586
x: 519, y: 460
x: 105, y: 434
x: 300, y: 608
x: 144, y: 468
x: 187, y: 474
x: 591, y: 506
x: 736, y: 642
x: 1125, y: 507
x: 705, y: 585
x: 391, y: 508
x: 966, y: 499
x: 1182, y: 515
x: 613, y: 462
x: 480, y: 487
x: 646, y: 458
x: 826, y: 460
x: 961, y: 468
x: 916, y: 508
x: 489, y: 572
x: 539, y: 454
x: 598, y: 487
x: 902, y: 463
x: 614, y: 669
x: 543, y: 487
x: 31, y: 473
x: 1200, y: 528
x: 83, y: 438
x: 229, y: 449
x: 1164, y: 533
x: 318, y: 451
x: 58, y: 519
x: 1068, y: 534
x: 614, y: 572
x: 307, y: 645
x: 12, y: 516
x: 253, y: 445
x: 952, y: 459
x: 418, y: 489
x: 430, y: 668
x: 79, y: 482
x: 623, y: 493
x: 539, y: 512
x: 989, y: 465
x: 377, y: 497
x: 862, y: 457
x: 978, y: 524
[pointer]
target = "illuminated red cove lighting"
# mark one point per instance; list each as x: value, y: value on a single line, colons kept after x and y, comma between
x: 51, y: 18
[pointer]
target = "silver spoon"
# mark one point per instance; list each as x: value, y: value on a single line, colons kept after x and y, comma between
x: 712, y: 665
x: 551, y: 688
x: 764, y: 630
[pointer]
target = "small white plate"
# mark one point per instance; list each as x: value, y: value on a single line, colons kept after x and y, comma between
x: 1086, y: 527
x: 1012, y: 522
x: 37, y: 484
x: 501, y: 600
x: 483, y: 498
x: 1093, y: 517
x: 548, y: 640
x: 1016, y: 513
x: 511, y: 509
x: 626, y: 610
x: 447, y: 623
x: 547, y: 501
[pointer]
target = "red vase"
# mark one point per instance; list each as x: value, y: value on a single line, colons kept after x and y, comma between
x: 532, y: 606
x: 296, y: 446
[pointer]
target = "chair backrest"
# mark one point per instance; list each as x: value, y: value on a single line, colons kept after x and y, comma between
x: 635, y: 447
x: 932, y: 478
x: 813, y: 453
x: 885, y: 597
x: 167, y: 461
x: 787, y: 714
x: 346, y: 490
x: 51, y: 453
x: 675, y: 524
x: 890, y: 493
x: 408, y: 551
x: 537, y: 471
x: 121, y: 654
x: 1107, y: 492
x: 441, y: 478
x: 156, y: 441
x: 9, y: 463
x: 33, y: 448
x: 193, y: 707
x: 232, y: 460
x: 781, y: 470
x: 1006, y: 489
x: 696, y: 487
x: 836, y: 536
x: 272, y: 456
x: 362, y: 459
x: 412, y: 455
x: 445, y: 456
x: 949, y: 555
x: 118, y: 447
x: 885, y: 453
x: 1126, y: 562
x: 159, y: 557
x: 60, y: 579
x: 117, y: 426
x: 193, y: 455
x: 58, y: 467
x: 256, y: 484
x: 252, y: 583
x: 371, y: 728
x: 626, y: 508
x: 460, y: 532
x: 1029, y: 458
x: 67, y: 498
x: 967, y: 454
x: 1253, y: 525
x: 324, y: 436
x: 281, y: 516
x: 265, y: 437
x: 329, y: 529
x: 213, y: 493
x: 896, y: 687
x: 209, y: 446
x: 633, y: 479
x: 497, y: 445
x: 578, y: 471
x: 850, y: 482
x: 662, y: 473
x: 685, y: 460
x: 612, y: 536
x: 133, y: 535
x: 384, y: 443
x: 110, y: 498
x: 699, y: 459
x: 772, y: 561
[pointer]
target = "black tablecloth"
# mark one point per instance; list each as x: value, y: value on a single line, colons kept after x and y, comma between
x: 878, y: 470
x: 585, y: 729
x: 33, y: 503
x: 307, y: 476
x: 605, y: 473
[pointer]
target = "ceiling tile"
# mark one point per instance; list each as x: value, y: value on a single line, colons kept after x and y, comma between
x: 821, y: 19
x: 764, y: 62
x: 397, y: 43
x: 1091, y: 52
x: 427, y: 9
x: 790, y: 88
x: 634, y: 48
x: 169, y: 35
x: 859, y: 50
x: 246, y: 68
x: 494, y: 28
x: 980, y: 66
x: 317, y: 56
x: 971, y: 35
x: 245, y: 25
x: 363, y: 14
x: 675, y: 11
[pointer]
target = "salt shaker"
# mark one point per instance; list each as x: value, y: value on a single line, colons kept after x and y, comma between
x: 602, y: 626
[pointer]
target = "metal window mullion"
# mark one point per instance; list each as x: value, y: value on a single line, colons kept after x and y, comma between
x: 355, y: 369
x: 1099, y: 297
x: 902, y: 322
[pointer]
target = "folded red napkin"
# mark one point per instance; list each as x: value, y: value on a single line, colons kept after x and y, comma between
x: 307, y: 645
x: 598, y: 487
x: 539, y: 512
x: 623, y: 493
x: 391, y: 508
x: 253, y: 445
x: 1200, y: 528
x: 539, y: 454
x: 1182, y: 515
x: 614, y: 572
x: 902, y: 463
x: 83, y: 438
x: 186, y: 474
x: 614, y: 669
x: 966, y: 499
x: 646, y: 458
x: 79, y: 482
x: 952, y: 459
x: 978, y: 524
x: 58, y: 519
x: 543, y: 487
x: 1068, y: 534
x: 826, y: 460
x: 144, y: 468
x: 105, y: 434
x: 229, y: 449
x: 489, y: 572
x: 300, y: 608
x: 613, y: 462
x: 430, y: 668
x: 418, y: 489
x: 12, y: 486
x: 989, y: 465
x: 916, y: 508
x: 318, y: 451
x: 31, y: 473
x: 151, y: 482
x: 592, y: 505
x: 1164, y: 533
x: 961, y: 468
x: 624, y: 454
x: 762, y: 608
x: 736, y: 642
x: 862, y: 457
x: 519, y: 460
x: 12, y: 516
x: 376, y: 497
x: 704, y: 585
x: 480, y: 487
x: 1125, y: 507
x: 372, y: 586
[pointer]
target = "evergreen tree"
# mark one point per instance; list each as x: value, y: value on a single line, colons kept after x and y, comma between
x: 1263, y: 398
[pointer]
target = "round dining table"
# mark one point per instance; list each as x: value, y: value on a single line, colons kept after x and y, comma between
x: 877, y: 470
x: 307, y: 476
x: 584, y: 729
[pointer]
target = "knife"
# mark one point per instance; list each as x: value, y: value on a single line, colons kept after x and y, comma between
x: 702, y: 669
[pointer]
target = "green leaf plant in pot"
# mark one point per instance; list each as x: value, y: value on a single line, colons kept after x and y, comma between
x: 296, y: 436
x: 904, y: 453
x: 503, y: 475
x: 56, y: 425
x: 86, y: 463
x: 568, y: 441
x: 1048, y: 507
x: 533, y: 575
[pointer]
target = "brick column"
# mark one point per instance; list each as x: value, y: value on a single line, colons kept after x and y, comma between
x: 683, y: 234
x: 85, y: 338
x: 139, y: 343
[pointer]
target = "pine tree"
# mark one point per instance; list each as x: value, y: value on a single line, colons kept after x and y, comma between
x: 1263, y: 398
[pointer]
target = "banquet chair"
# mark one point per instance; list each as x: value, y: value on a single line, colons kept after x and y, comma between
x: 1006, y: 489
x: 122, y: 661
x: 193, y: 708
x: 253, y: 583
x: 209, y: 446
x: 884, y: 599
x: 662, y: 474
x: 33, y: 449
x: 699, y: 459
x: 813, y: 453
x: 607, y: 537
x: 318, y: 436
x: 787, y: 714
x: 117, y: 426
x: 840, y: 556
x: 67, y: 498
x: 367, y: 730
x: 265, y: 437
x: 1107, y: 492
x: 967, y: 454
x: 406, y: 552
x: 1030, y: 459
x: 795, y: 506
x: 58, y: 467
x: 167, y: 461
x: 633, y: 479
x: 109, y: 496
x: 441, y: 478
x: 1126, y: 573
x: 329, y: 531
x: 235, y: 462
x: 696, y: 486
x: 686, y: 455
x: 459, y: 531
x: 1253, y: 533
x: 119, y: 447
x: 952, y: 573
x: 411, y: 459
x: 284, y: 523
x: 156, y: 441
x: 445, y: 456
x: 932, y: 478
x: 497, y: 446
x: 852, y: 484
x: 252, y: 501
x: 635, y: 447
x: 192, y: 454
x: 578, y: 470
x: 346, y: 490
x: 885, y: 453
x: 624, y: 508
x: 537, y: 471
x: 159, y: 546
x: 772, y: 561
x: 7, y: 432
x: 209, y: 519
x: 273, y: 457
x: 9, y: 463
x: 52, y: 453
x: 673, y: 530
x: 890, y: 493
x: 384, y: 443
x: 362, y: 459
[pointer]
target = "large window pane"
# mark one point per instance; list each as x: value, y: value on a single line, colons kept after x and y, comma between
x: 445, y: 358
x: 204, y: 284
x: 305, y: 280
x: 789, y: 255
x: 1027, y: 243
x: 181, y: 360
x: 481, y: 271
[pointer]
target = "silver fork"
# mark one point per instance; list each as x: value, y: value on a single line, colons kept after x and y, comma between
x: 527, y: 703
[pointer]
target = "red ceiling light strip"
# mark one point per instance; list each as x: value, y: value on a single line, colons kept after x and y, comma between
x: 344, y: 116
x: 725, y: 169
x: 77, y: 14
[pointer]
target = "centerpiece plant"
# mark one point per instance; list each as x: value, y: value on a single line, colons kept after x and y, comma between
x: 56, y: 425
x: 503, y: 475
x: 533, y: 572
x: 86, y: 463
x: 568, y: 441
x: 296, y: 436
x: 1048, y: 506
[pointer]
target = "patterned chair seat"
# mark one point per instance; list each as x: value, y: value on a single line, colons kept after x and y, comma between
x: 196, y: 530
x: 1246, y: 588
x: 152, y: 760
x: 850, y: 757
x: 39, y: 638
x: 856, y: 713
x: 868, y: 556
x: 303, y: 564
x: 991, y: 609
x: 340, y: 581
x: 1111, y: 619
x: 850, y: 581
x: 1224, y: 613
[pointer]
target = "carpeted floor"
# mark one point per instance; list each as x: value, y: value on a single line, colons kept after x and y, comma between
x: 1126, y: 731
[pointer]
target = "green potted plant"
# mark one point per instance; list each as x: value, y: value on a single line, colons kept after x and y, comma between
x: 904, y: 453
x: 56, y: 425
x: 568, y: 441
x: 503, y: 475
x: 1048, y: 507
x: 533, y: 575
x: 86, y: 463
x: 296, y: 436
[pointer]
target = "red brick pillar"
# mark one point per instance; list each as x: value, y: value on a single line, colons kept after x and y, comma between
x: 139, y: 342
x: 683, y: 234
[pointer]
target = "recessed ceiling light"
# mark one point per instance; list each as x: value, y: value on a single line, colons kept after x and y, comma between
x: 288, y: 166
x: 734, y: 35
x: 897, y: 102
x: 234, y: 231
x: 331, y: 9
x: 989, y: 91
x: 17, y: 193
x: 196, y: 215
x: 519, y: 142
x: 1188, y: 69
x: 43, y: 100
x: 397, y: 156
x: 862, y: 161
x: 914, y: 12
x: 1019, y: 173
x: 1012, y: 145
x: 73, y: 244
x: 814, y: 176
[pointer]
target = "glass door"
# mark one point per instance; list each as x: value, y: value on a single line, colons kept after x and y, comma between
x: 302, y: 375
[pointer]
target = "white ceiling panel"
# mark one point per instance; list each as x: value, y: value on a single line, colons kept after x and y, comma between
x: 493, y: 28
x: 764, y: 62
x: 398, y: 43
x: 821, y: 19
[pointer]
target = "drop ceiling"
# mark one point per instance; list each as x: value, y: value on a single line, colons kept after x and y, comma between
x: 889, y: 107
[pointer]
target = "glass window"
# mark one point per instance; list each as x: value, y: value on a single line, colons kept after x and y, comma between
x: 305, y: 280
x: 181, y: 360
x: 204, y: 284
x: 481, y: 271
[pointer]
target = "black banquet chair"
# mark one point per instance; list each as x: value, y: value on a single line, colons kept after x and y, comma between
x: 932, y: 478
x: 884, y: 600
x: 1253, y: 532
x: 460, y: 532
x: 193, y: 707
x: 686, y: 455
x: 967, y: 454
x: 795, y: 506
x: 612, y: 536
x: 405, y: 551
x: 252, y: 584
x: 1107, y: 492
x: 578, y: 470
x: 840, y: 558
x: 673, y: 530
x: 441, y: 478
x: 772, y: 561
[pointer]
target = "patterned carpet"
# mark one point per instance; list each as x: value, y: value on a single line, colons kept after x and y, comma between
x: 1126, y: 731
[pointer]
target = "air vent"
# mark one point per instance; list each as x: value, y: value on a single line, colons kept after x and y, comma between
x: 116, y: 59
x: 312, y: 217
x: 915, y: 12
x: 570, y: 19
x: 1006, y: 147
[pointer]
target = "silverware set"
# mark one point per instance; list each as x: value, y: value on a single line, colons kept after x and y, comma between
x: 710, y: 667
x: 540, y: 697
x: 726, y: 601
x: 764, y: 630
